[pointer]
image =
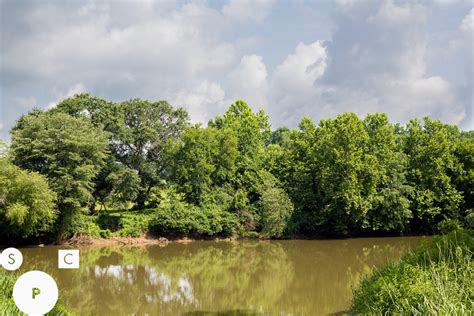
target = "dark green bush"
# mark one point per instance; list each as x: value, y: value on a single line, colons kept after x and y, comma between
x: 448, y: 225
x: 106, y: 233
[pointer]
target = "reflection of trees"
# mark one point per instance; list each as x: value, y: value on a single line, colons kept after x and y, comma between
x: 277, y: 277
x: 327, y: 270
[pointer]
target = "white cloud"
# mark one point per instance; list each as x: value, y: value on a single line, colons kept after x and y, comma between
x: 75, y: 89
x: 93, y: 45
x: 203, y: 58
x: 242, y: 10
x: 467, y: 24
x: 202, y: 102
x: 293, y: 89
x: 248, y: 81
x: 377, y: 62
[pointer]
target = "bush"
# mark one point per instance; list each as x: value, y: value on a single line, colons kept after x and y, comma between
x: 84, y: 225
x: 27, y: 205
x: 437, y: 279
x: 448, y: 225
x: 175, y: 217
x: 276, y: 207
x: 105, y: 233
x: 469, y: 219
x: 133, y: 224
x: 8, y: 307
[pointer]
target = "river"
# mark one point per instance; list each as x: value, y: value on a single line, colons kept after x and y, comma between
x: 288, y: 277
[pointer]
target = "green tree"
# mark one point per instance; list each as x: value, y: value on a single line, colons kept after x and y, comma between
x: 390, y: 209
x: 253, y: 132
x: 276, y: 206
x: 27, y: 205
x: 139, y: 138
x: 430, y: 147
x: 464, y: 175
x: 69, y: 151
x: 201, y: 160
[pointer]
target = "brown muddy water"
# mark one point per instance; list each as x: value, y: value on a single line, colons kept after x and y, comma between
x: 289, y: 277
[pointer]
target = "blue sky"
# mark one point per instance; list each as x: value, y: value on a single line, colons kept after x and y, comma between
x: 291, y: 58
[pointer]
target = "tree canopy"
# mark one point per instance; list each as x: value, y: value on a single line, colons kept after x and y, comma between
x: 341, y: 176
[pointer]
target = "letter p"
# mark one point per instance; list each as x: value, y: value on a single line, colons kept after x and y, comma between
x: 35, y: 292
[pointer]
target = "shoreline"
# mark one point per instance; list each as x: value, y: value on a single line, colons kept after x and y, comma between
x: 162, y: 241
x: 147, y: 240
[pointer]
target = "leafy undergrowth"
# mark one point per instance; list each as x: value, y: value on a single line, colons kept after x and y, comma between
x: 436, y: 279
x: 8, y: 307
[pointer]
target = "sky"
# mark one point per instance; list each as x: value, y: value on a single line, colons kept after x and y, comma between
x: 297, y: 58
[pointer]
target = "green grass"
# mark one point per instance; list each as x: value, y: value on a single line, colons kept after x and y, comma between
x: 436, y: 279
x: 8, y: 307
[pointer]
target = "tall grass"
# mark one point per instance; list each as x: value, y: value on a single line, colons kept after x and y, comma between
x: 8, y: 307
x: 436, y: 279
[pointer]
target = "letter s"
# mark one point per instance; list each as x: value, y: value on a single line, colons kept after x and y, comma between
x: 11, y: 258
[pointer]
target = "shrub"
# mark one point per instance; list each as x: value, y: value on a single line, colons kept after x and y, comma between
x: 84, y: 225
x: 469, y: 219
x: 437, y: 279
x: 448, y: 225
x: 175, y: 217
x: 105, y: 233
x: 133, y: 224
x: 27, y: 205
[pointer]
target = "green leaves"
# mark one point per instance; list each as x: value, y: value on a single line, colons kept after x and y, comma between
x: 430, y: 148
x: 27, y: 205
x: 68, y: 151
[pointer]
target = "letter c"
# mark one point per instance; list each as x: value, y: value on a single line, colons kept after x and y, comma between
x: 68, y: 255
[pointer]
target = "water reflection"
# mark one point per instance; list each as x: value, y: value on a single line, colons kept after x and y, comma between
x: 209, y: 278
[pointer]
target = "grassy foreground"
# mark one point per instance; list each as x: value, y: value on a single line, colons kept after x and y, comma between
x: 436, y: 279
x: 8, y: 307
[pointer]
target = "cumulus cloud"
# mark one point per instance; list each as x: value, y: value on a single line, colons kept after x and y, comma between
x: 242, y: 10
x: 378, y: 56
x: 248, y: 81
x: 203, y: 101
x: 467, y: 24
x: 377, y: 63
x: 294, y: 92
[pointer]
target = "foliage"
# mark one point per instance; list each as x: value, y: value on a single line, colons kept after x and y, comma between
x: 7, y: 305
x: 253, y: 132
x: 202, y: 159
x: 430, y: 149
x: 436, y: 279
x: 449, y: 225
x: 69, y: 151
x: 276, y: 206
x: 134, y: 225
x: 175, y: 217
x: 138, y: 131
x: 83, y: 225
x: 27, y: 205
x: 342, y: 176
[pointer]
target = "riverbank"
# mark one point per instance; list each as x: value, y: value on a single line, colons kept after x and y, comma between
x: 134, y: 241
x: 437, y: 278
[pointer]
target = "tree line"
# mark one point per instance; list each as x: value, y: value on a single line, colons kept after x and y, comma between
x: 235, y: 176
